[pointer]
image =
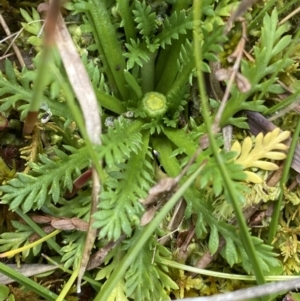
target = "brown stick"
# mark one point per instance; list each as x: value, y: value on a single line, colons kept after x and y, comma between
x: 30, y: 122
x: 15, y: 47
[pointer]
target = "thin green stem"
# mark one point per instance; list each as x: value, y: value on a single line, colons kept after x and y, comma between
x: 283, y: 181
x: 38, y: 90
x: 167, y: 69
x: 230, y: 276
x: 287, y: 5
x: 127, y: 19
x: 68, y: 285
x: 147, y: 73
x: 12, y: 253
x: 142, y: 238
x: 80, y: 123
x: 109, y: 102
x: 244, y: 233
x: 111, y: 48
x: 284, y: 103
x: 52, y: 244
x: 28, y: 283
x: 106, y: 68
x: 41, y: 80
x: 88, y: 279
x: 261, y: 14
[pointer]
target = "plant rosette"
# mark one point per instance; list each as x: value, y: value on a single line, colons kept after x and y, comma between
x: 154, y: 104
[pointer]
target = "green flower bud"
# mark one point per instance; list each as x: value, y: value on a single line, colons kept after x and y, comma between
x: 154, y: 104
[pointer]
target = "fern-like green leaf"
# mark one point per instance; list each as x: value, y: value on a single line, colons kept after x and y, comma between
x: 212, y: 41
x: 74, y: 244
x: 31, y: 192
x: 186, y: 53
x: 16, y: 93
x: 120, y: 140
x: 173, y: 26
x: 20, y: 237
x: 146, y: 279
x: 145, y: 19
x: 213, y: 242
x: 136, y: 54
x: 267, y: 61
x: 211, y: 175
x: 112, y: 261
x: 119, y: 208
x: 32, y: 25
x: 118, y: 293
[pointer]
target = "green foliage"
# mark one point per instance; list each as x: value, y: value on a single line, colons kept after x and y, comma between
x: 32, y: 192
x: 145, y: 19
x: 156, y: 283
x: 21, y: 237
x: 136, y: 54
x: 17, y: 89
x: 272, y: 42
x: 123, y: 198
x: 176, y: 24
x: 211, y: 175
x: 4, y: 292
x: 127, y: 142
x: 74, y: 244
x: 150, y: 104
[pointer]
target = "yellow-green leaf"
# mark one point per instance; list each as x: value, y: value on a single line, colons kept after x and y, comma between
x: 254, y: 153
x: 253, y: 177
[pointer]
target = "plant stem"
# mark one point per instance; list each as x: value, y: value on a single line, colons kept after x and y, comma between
x: 68, y: 285
x: 283, y: 181
x: 284, y: 103
x: 12, y: 253
x: 147, y: 73
x: 38, y: 89
x: 106, y: 69
x: 80, y: 123
x: 111, y: 48
x: 261, y: 14
x: 88, y: 279
x: 142, y: 238
x: 42, y: 72
x: 230, y: 276
x: 182, y: 77
x: 167, y: 68
x: 28, y: 283
x: 127, y: 19
x: 109, y: 102
x: 244, y: 233
x: 251, y: 293
x: 52, y: 244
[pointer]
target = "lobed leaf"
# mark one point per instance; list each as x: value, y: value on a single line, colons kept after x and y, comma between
x: 155, y: 282
x: 173, y: 26
x: 119, y: 208
x: 250, y: 153
x: 120, y: 140
x: 145, y: 19
x: 47, y: 184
